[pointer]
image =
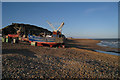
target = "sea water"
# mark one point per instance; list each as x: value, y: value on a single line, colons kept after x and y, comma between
x: 113, y: 43
x: 111, y: 53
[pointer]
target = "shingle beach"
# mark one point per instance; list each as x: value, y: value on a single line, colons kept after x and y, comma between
x: 77, y: 60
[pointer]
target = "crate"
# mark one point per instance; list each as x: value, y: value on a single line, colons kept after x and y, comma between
x: 3, y: 39
x: 14, y: 40
x: 7, y: 40
x: 33, y: 43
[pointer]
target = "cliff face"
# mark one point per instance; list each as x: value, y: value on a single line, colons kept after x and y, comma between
x: 24, y: 29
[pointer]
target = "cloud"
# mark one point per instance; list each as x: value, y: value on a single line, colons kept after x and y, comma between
x: 91, y: 10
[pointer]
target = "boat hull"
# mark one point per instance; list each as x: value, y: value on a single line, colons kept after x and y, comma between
x: 41, y: 41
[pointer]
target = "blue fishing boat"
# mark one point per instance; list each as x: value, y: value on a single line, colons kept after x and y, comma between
x: 41, y: 39
x: 55, y: 39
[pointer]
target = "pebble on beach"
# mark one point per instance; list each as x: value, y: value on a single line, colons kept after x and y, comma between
x: 37, y: 62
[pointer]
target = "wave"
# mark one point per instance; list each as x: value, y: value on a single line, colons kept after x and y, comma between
x: 109, y: 43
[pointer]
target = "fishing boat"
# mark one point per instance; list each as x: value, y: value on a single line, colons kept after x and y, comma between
x: 56, y: 39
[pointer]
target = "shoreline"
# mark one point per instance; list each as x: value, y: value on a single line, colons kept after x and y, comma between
x: 86, y: 44
x: 77, y: 60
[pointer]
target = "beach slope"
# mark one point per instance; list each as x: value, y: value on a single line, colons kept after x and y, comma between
x: 78, y: 60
